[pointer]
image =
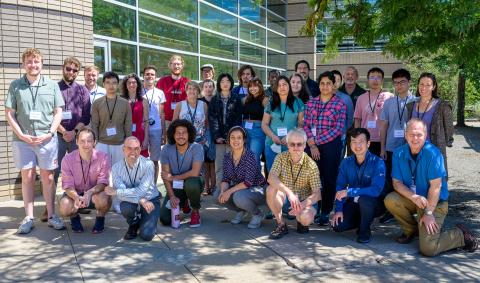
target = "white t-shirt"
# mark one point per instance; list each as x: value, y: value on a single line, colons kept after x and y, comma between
x: 96, y: 93
x: 154, y: 97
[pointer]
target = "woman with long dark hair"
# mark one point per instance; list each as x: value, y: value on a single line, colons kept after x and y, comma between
x: 300, y: 88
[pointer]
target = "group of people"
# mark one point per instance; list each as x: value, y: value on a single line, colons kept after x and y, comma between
x: 211, y: 138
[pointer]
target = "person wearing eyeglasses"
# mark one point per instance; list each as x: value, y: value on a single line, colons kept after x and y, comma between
x: 294, y: 185
x: 325, y: 117
x: 369, y: 108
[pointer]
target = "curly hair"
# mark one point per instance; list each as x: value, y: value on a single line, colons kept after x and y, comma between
x: 181, y: 123
x: 138, y: 95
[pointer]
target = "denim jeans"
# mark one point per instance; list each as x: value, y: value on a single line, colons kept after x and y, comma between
x: 256, y: 140
x: 248, y: 200
x: 134, y: 213
x: 270, y: 156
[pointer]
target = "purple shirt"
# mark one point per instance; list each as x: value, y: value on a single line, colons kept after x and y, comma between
x: 426, y: 117
x: 77, y: 101
x: 95, y: 172
x: 247, y: 170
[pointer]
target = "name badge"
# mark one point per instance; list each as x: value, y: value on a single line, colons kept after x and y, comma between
x: 134, y: 127
x: 66, y: 115
x: 173, y: 105
x: 111, y: 131
x: 281, y: 132
x: 35, y: 115
x: 248, y: 125
x: 398, y: 133
x: 314, y: 132
x: 355, y: 199
x: 276, y: 148
x: 178, y: 184
x: 371, y: 124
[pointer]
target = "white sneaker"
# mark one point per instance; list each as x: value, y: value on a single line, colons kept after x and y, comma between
x: 256, y: 221
x: 238, y: 218
x: 56, y: 223
x: 25, y: 226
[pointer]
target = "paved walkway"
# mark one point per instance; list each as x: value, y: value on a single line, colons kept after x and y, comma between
x: 216, y: 252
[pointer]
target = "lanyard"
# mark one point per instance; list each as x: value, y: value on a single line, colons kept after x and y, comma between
x: 370, y: 102
x: 298, y: 174
x: 34, y: 98
x: 85, y: 179
x: 414, y: 170
x: 426, y: 109
x: 108, y: 107
x: 180, y: 165
x: 128, y: 173
x: 175, y: 90
x: 94, y: 93
x: 282, y: 117
x: 400, y: 115
x: 192, y: 117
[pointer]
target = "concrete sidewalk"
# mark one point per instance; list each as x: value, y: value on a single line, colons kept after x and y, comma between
x: 216, y: 252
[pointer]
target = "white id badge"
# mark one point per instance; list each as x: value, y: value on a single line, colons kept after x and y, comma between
x: 371, y: 124
x: 111, y: 131
x: 35, y: 115
x: 314, y: 132
x: 276, y: 148
x: 398, y: 133
x: 248, y: 125
x: 355, y: 199
x: 66, y: 115
x: 281, y: 132
x: 178, y: 184
x: 173, y: 105
x: 134, y: 127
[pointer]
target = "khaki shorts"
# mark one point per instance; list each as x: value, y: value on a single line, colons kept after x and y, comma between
x: 27, y: 156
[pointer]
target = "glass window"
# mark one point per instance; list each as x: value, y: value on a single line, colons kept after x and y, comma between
x: 113, y: 20
x: 99, y: 58
x: 252, y: 33
x: 261, y: 74
x: 219, y: 46
x: 124, y: 58
x: 277, y: 60
x: 276, y: 41
x: 228, y: 5
x: 278, y: 7
x: 217, y: 20
x: 164, y: 33
x: 252, y: 54
x: 160, y: 58
x: 184, y: 10
x: 276, y: 23
x: 252, y: 11
x: 130, y: 2
x: 221, y: 67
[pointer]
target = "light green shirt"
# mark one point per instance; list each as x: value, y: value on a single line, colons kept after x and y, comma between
x: 21, y: 97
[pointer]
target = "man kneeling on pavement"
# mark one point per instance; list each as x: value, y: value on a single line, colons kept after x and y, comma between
x: 85, y: 173
x: 419, y: 180
x: 294, y: 185
x: 360, y: 181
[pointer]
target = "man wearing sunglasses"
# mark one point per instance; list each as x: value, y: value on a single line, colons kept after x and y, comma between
x: 294, y: 185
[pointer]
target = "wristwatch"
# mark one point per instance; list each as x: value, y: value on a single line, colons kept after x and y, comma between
x: 50, y: 132
x: 428, y: 212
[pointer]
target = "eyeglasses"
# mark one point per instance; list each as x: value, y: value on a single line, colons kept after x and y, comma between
x: 402, y: 82
x: 68, y: 69
x: 298, y: 144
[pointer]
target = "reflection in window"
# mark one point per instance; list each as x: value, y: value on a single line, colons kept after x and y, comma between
x: 99, y: 58
x: 217, y: 20
x: 229, y: 5
x: 253, y: 54
x: 221, y: 66
x: 112, y: 20
x: 252, y: 11
x: 276, y: 23
x: 130, y: 2
x: 163, y: 33
x: 276, y: 41
x: 219, y: 46
x: 184, y: 10
x: 252, y: 33
x: 160, y: 58
x: 276, y: 59
x: 124, y: 58
x: 278, y: 7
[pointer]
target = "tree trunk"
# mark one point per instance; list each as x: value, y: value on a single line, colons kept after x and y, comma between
x: 461, y: 100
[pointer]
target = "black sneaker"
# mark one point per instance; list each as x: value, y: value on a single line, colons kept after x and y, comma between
x: 302, y: 229
x: 76, y: 224
x: 386, y: 218
x: 99, y: 226
x: 279, y: 231
x: 131, y: 232
x: 364, y: 238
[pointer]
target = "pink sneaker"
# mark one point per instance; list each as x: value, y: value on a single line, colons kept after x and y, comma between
x: 195, y: 219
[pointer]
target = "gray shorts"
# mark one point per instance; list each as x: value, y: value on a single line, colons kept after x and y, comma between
x: 27, y: 156
x: 155, y: 147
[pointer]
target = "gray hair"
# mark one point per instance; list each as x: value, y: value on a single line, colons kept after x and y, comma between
x: 353, y: 68
x: 297, y: 132
x: 414, y: 121
x: 131, y: 138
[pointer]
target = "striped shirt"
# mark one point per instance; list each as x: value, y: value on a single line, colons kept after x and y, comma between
x: 324, y: 121
x: 133, y: 184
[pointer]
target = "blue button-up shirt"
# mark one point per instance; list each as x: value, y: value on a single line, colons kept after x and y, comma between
x: 428, y: 166
x: 366, y: 179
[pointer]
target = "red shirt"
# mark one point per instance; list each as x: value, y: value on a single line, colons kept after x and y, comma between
x: 174, y: 93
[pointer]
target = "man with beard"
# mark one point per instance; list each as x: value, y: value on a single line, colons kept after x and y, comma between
x: 350, y: 86
x: 303, y: 68
x: 245, y: 74
x: 90, y: 73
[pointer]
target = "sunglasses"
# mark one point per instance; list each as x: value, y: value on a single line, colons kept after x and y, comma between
x: 298, y: 144
x: 68, y: 69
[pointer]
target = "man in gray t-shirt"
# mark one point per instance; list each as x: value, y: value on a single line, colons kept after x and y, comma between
x: 182, y: 161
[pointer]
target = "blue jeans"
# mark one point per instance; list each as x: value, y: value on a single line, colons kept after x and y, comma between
x: 270, y: 155
x: 135, y: 214
x: 256, y: 140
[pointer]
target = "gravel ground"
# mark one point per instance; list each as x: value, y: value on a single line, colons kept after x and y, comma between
x: 464, y: 170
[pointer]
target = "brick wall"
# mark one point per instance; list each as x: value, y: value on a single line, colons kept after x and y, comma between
x: 59, y: 29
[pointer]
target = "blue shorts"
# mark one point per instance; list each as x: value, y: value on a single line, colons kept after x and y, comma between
x: 287, y: 206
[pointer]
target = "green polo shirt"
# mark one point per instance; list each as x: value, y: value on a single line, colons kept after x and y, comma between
x: 21, y: 98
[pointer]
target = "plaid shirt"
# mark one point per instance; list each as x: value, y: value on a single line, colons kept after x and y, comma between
x: 308, y: 180
x: 327, y: 119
